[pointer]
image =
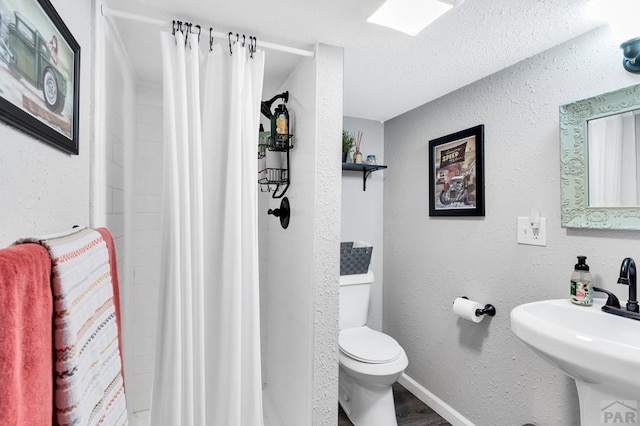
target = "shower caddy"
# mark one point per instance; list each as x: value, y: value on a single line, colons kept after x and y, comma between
x: 275, y: 179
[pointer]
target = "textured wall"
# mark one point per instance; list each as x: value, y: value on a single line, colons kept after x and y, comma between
x: 362, y: 210
x: 326, y: 260
x: 43, y: 190
x: 302, y: 276
x: 482, y: 370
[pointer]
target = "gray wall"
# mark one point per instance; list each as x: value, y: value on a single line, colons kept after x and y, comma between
x: 482, y: 370
x: 362, y: 210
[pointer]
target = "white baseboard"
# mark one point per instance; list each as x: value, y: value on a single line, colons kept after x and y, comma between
x: 436, y: 404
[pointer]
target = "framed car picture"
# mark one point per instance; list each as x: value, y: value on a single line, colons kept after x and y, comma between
x: 456, y: 174
x: 39, y: 73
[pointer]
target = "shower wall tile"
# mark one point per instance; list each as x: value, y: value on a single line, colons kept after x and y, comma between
x: 148, y: 132
x: 145, y: 311
x: 117, y: 152
x: 146, y: 346
x: 145, y: 203
x: 138, y: 401
x: 115, y: 136
x: 263, y: 256
x: 145, y: 242
x: 145, y: 293
x: 149, y: 94
x: 109, y: 201
x: 149, y: 167
x: 115, y: 175
x: 145, y: 328
x: 147, y: 185
x: 149, y: 150
x: 116, y: 224
x: 119, y: 243
x: 143, y: 364
x: 148, y: 114
x: 137, y: 385
x: 147, y: 221
x: 117, y: 199
x: 142, y: 257
x: 147, y: 239
x: 108, y: 148
x: 146, y: 275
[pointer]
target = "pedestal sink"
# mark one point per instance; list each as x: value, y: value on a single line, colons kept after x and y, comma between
x: 599, y: 350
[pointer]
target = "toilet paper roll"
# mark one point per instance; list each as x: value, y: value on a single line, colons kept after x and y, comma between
x: 465, y: 308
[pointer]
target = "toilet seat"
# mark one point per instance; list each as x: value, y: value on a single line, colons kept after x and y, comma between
x: 369, y: 346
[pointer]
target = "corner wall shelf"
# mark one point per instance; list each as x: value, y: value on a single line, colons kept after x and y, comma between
x: 366, y: 170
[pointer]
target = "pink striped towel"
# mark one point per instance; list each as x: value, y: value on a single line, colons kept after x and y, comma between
x: 89, y: 387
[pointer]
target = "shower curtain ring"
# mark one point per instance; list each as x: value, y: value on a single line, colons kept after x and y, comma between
x: 252, y: 46
x: 230, y: 49
x: 244, y: 39
x: 187, y: 38
x: 210, y: 39
x: 173, y: 28
x: 199, y: 31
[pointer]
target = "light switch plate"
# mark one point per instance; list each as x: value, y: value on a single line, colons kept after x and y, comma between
x: 526, y: 234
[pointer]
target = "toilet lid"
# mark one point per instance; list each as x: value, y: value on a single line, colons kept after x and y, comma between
x: 370, y: 346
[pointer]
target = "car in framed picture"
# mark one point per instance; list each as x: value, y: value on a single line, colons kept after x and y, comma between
x: 39, y: 73
x: 34, y: 58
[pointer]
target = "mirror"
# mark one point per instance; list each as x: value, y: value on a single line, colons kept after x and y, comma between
x: 600, y: 162
x: 613, y: 165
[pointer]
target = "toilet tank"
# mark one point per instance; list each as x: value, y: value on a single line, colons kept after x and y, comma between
x: 355, y: 291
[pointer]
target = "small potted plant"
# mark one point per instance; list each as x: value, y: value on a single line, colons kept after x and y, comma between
x: 347, y: 143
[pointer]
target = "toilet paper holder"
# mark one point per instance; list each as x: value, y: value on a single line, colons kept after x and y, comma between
x: 488, y: 309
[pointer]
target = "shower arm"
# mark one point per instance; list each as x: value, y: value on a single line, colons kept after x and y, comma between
x: 265, y: 106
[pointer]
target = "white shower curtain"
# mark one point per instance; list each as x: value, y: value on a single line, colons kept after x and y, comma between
x: 605, y: 157
x: 207, y: 366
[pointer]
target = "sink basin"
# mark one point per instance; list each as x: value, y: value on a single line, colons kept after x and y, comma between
x: 599, y: 350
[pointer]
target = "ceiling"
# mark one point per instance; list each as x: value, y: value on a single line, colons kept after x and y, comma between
x: 386, y: 73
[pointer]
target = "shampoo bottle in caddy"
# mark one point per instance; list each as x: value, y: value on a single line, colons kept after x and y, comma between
x: 581, y: 284
x: 280, y: 126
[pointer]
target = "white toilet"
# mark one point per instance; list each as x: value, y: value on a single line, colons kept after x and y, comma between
x: 370, y: 361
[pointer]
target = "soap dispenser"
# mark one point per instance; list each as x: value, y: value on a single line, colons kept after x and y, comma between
x: 581, y: 284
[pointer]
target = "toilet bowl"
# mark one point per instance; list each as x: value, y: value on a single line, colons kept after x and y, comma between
x: 370, y: 363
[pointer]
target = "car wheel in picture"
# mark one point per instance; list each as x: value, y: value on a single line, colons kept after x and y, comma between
x: 52, y: 96
x: 444, y: 198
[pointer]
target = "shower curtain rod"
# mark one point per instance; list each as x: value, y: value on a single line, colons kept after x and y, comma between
x: 107, y: 11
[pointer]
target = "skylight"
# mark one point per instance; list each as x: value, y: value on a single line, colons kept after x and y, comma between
x: 410, y: 16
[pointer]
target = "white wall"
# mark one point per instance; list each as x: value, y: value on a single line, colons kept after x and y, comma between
x: 145, y: 247
x: 112, y: 180
x: 43, y: 189
x: 362, y: 210
x: 303, y: 265
x: 482, y: 370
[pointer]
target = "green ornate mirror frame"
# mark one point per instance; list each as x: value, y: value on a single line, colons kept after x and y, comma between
x: 574, y: 169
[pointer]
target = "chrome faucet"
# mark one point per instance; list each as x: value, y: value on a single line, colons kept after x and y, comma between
x: 628, y: 277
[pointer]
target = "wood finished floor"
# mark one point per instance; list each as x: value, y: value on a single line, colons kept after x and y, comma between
x: 410, y: 411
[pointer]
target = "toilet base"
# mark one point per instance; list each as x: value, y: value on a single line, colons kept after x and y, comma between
x: 366, y: 404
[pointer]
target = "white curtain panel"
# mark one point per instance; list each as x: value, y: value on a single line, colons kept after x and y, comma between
x: 207, y: 366
x: 605, y: 156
